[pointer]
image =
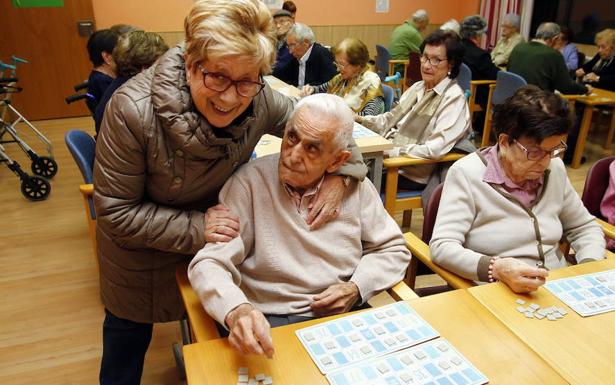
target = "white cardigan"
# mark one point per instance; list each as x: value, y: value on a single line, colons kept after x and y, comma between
x: 477, y: 221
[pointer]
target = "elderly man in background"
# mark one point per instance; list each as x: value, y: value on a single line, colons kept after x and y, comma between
x: 311, y: 63
x: 407, y: 37
x: 283, y: 21
x: 277, y: 271
x: 541, y: 64
x: 510, y: 38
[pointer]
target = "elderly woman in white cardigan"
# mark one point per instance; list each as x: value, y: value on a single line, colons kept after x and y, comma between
x: 505, y: 208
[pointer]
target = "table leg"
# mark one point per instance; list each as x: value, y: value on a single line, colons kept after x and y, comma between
x: 376, y: 168
x: 583, y: 130
x: 609, y: 137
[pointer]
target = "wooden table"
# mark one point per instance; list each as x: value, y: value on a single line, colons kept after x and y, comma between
x: 459, y: 318
x: 598, y: 97
x: 582, y: 350
x: 372, y: 147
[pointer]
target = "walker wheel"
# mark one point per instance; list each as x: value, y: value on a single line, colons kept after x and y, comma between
x: 35, y: 188
x: 45, y: 166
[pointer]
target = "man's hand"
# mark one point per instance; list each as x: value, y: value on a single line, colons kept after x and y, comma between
x: 520, y: 277
x: 325, y: 206
x: 220, y: 224
x: 250, y: 333
x: 336, y: 299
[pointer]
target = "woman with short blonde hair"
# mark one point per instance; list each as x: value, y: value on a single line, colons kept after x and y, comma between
x: 171, y: 137
x: 359, y: 86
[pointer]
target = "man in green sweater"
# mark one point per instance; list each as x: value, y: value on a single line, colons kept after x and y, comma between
x: 541, y: 64
x: 407, y: 37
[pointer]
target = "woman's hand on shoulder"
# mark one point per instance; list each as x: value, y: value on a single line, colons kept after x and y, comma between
x: 519, y: 276
x: 220, y: 224
x: 325, y: 206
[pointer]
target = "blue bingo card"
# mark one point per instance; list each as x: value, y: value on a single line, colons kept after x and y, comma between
x: 344, y: 341
x: 359, y: 131
x: 434, y: 362
x: 588, y: 294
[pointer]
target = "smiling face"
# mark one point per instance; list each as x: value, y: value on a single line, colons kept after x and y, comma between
x: 515, y: 160
x: 308, y: 150
x: 221, y: 108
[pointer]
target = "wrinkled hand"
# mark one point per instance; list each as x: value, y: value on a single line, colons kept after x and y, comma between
x: 220, y: 224
x: 591, y: 77
x: 306, y: 90
x: 250, y: 333
x: 336, y: 299
x: 325, y: 206
x: 520, y: 277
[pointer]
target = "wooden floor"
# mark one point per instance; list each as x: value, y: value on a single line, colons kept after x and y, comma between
x: 50, y: 312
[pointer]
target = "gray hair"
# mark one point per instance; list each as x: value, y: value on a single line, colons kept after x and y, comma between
x: 302, y: 32
x: 335, y: 111
x: 420, y: 16
x: 472, y: 26
x: 547, y: 31
x: 512, y: 19
x: 451, y: 25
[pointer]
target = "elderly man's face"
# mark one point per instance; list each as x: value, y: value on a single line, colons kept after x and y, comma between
x: 508, y: 30
x: 296, y: 47
x: 308, y: 150
x: 282, y: 25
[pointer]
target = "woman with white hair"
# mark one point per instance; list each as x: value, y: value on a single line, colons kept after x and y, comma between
x: 510, y: 38
x: 170, y: 138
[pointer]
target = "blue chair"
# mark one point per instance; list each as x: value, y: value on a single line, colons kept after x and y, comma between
x: 389, y: 96
x: 464, y: 79
x: 506, y: 84
x: 382, y: 61
x: 82, y: 147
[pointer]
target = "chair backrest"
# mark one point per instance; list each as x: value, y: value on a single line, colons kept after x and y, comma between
x: 464, y: 78
x: 413, y: 71
x: 431, y: 211
x: 83, y: 148
x: 389, y: 95
x: 382, y: 61
x: 596, y: 184
x: 506, y: 84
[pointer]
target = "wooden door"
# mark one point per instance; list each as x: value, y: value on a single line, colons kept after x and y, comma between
x: 48, y: 38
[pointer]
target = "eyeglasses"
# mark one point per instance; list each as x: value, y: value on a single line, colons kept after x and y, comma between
x: 340, y: 66
x: 218, y: 82
x: 434, y: 61
x: 540, y: 154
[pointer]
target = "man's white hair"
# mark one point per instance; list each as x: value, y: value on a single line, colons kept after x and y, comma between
x: 302, y: 32
x: 547, y: 31
x: 420, y: 15
x: 512, y: 19
x: 335, y: 111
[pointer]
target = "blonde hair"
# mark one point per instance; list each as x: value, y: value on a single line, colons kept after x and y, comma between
x: 220, y: 28
x: 607, y: 36
x: 137, y: 50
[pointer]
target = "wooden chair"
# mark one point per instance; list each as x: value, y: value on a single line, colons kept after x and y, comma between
x: 596, y: 184
x: 506, y: 84
x: 87, y: 192
x: 406, y: 201
x: 203, y: 327
x: 472, y: 105
x: 420, y: 248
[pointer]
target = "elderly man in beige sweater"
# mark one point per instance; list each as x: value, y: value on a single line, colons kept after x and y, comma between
x: 277, y: 271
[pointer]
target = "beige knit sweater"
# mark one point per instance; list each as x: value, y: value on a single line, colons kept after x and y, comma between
x: 477, y: 221
x: 277, y: 264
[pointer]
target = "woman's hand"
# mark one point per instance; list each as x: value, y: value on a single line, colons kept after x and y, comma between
x: 220, y: 224
x: 519, y: 276
x: 325, y: 206
x: 591, y: 77
x: 306, y: 90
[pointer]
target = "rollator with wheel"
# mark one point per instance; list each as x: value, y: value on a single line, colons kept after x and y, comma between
x: 44, y: 167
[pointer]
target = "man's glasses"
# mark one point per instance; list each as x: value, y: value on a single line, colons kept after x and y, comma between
x: 540, y: 154
x: 434, y: 61
x: 218, y: 82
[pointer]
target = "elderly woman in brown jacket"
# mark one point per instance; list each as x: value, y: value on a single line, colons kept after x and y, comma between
x: 170, y: 138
